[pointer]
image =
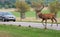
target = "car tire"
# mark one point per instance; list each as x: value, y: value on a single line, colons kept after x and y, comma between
x: 14, y: 20
x: 3, y: 20
x: 7, y: 20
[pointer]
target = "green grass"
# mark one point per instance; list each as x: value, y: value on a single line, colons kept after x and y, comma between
x: 58, y: 14
x: 16, y: 31
x: 30, y: 14
x: 45, y: 11
x: 17, y: 14
x: 27, y: 14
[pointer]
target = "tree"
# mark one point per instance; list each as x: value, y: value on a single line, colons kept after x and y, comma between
x: 22, y: 7
x: 38, y: 5
x: 54, y: 7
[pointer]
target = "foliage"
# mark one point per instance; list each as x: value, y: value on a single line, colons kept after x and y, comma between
x: 22, y: 6
x: 7, y: 3
x: 54, y: 7
x: 37, y: 3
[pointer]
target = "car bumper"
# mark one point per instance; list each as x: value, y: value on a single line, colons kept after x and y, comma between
x: 11, y: 19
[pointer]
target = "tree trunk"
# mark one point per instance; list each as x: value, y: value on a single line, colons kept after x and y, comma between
x: 22, y: 15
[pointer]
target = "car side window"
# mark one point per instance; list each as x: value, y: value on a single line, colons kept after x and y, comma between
x: 0, y: 14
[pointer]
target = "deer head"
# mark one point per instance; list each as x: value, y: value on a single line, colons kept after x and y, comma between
x: 39, y: 9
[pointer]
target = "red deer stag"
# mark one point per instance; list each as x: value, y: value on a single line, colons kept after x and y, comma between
x: 46, y: 17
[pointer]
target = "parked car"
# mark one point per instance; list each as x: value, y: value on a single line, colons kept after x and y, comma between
x: 7, y: 16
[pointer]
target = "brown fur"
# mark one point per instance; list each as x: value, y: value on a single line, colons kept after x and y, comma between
x: 46, y: 17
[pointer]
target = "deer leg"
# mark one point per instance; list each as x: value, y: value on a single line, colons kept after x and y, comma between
x: 56, y: 21
x: 52, y: 22
x: 42, y: 22
x: 45, y: 24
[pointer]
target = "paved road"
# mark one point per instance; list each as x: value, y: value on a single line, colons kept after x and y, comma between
x: 37, y: 25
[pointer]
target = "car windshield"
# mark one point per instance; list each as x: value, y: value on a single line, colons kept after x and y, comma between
x: 7, y: 13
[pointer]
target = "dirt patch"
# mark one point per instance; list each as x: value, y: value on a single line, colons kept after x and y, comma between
x: 4, y: 34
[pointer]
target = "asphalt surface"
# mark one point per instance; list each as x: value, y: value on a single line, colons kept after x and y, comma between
x: 36, y: 25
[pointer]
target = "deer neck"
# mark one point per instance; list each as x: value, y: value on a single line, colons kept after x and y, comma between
x: 40, y: 15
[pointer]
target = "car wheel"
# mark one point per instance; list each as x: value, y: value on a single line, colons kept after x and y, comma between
x: 7, y: 20
x: 14, y: 20
x: 3, y: 20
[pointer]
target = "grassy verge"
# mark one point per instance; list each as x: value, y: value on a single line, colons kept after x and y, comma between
x: 16, y: 31
x: 27, y: 14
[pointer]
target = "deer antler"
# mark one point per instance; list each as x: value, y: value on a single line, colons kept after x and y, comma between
x: 39, y: 9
